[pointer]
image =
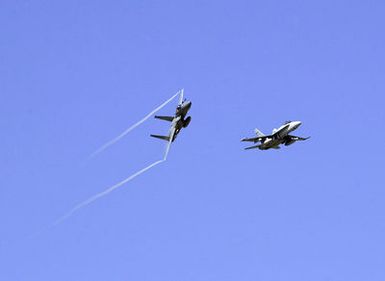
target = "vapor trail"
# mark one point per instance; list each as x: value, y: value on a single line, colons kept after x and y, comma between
x: 112, y: 188
x: 181, y: 96
x: 171, y: 134
x: 111, y: 142
x: 105, y: 192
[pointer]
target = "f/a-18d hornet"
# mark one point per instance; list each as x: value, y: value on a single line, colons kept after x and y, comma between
x: 179, y: 121
x: 278, y: 136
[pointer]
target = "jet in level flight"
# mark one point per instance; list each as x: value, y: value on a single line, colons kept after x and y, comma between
x: 278, y: 136
x: 179, y: 121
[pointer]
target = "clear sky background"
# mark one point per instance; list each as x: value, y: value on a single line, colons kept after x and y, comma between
x: 74, y: 74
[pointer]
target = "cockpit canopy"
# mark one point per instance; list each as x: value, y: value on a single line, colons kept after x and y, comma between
x: 287, y: 122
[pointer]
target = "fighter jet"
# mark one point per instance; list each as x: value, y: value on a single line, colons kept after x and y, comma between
x: 179, y: 121
x: 278, y: 136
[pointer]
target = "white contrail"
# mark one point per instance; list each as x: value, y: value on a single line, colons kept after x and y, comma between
x: 111, y: 142
x: 105, y: 192
x: 171, y: 134
x: 181, y: 96
x: 112, y: 188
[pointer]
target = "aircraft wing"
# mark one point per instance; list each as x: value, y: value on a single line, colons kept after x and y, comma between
x: 165, y: 118
x: 166, y: 138
x: 173, y: 132
x: 256, y: 139
x: 252, y: 147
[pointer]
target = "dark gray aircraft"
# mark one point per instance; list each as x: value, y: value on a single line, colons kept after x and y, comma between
x: 278, y: 136
x: 179, y: 121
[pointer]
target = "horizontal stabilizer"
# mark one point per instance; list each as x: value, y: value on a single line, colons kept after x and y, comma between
x: 165, y: 118
x: 298, y: 138
x: 166, y: 138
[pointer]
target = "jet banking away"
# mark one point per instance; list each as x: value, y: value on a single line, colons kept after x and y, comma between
x: 278, y: 136
x: 179, y: 121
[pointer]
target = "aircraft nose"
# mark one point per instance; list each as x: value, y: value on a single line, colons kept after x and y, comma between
x: 297, y: 124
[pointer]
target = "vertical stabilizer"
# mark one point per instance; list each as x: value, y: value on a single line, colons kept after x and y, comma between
x: 259, y: 133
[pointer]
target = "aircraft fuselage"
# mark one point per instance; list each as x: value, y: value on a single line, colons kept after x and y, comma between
x: 183, y: 109
x: 179, y: 121
x: 277, y: 137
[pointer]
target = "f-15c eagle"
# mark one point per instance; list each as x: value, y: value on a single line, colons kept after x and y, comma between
x: 278, y: 136
x: 179, y: 121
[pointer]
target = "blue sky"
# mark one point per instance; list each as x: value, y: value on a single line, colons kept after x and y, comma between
x: 74, y: 74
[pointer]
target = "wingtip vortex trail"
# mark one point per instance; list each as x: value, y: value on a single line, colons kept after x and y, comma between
x: 104, y: 193
x: 114, y: 187
x: 125, y: 132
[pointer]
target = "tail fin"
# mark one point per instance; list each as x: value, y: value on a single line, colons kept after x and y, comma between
x: 259, y: 133
x: 166, y: 138
x: 166, y: 118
